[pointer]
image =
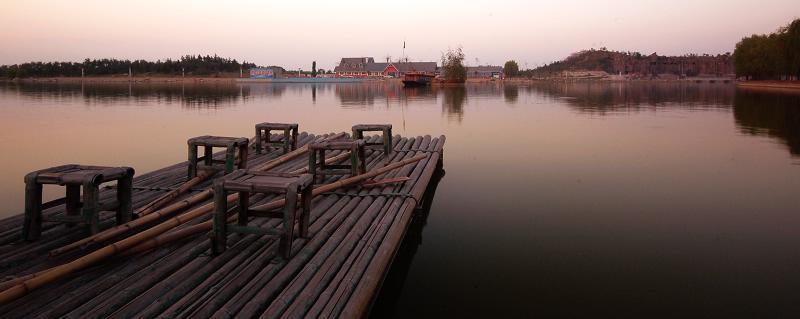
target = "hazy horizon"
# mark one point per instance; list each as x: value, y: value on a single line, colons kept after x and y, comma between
x: 294, y: 34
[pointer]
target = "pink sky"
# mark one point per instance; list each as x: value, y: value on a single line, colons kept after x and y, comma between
x: 294, y: 33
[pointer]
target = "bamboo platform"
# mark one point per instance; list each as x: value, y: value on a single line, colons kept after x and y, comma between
x: 355, y: 233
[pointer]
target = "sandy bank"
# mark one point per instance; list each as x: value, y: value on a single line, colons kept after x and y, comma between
x: 778, y: 85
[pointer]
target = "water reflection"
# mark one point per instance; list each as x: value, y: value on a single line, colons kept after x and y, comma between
x: 511, y: 93
x: 453, y: 99
x: 386, y: 302
x: 583, y: 213
x: 602, y: 98
x: 191, y: 95
x: 773, y: 114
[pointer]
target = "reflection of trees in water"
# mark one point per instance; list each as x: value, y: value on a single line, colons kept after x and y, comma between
x: 367, y: 93
x: 453, y: 99
x: 359, y: 95
x: 601, y: 97
x: 193, y: 95
x: 769, y: 114
x: 511, y: 93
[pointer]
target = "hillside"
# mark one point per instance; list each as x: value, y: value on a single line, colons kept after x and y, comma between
x: 635, y: 63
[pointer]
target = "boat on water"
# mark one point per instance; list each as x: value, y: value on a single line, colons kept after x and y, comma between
x: 415, y: 79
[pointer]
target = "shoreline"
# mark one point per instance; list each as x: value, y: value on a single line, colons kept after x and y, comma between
x: 770, y: 85
x: 125, y: 79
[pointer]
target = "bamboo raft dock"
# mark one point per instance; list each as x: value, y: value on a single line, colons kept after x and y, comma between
x: 162, y: 265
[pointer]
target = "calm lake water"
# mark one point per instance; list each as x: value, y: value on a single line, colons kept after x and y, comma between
x: 580, y: 200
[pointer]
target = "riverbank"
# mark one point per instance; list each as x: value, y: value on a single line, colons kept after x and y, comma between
x: 616, y: 80
x: 178, y: 79
x: 125, y: 79
x: 776, y: 85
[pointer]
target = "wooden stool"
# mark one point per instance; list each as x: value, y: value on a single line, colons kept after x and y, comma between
x: 247, y: 182
x: 317, y: 150
x: 231, y: 144
x: 358, y: 134
x: 86, y: 212
x: 263, y: 135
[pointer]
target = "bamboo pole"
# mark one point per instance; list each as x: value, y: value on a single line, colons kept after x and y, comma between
x: 173, y: 194
x: 185, y: 187
x: 127, y: 243
x: 253, y: 304
x: 185, y: 285
x: 208, y: 302
x: 338, y: 294
x: 370, y: 282
x: 309, y: 284
x: 110, y: 233
x: 244, y: 285
x: 205, y: 226
x: 345, y: 182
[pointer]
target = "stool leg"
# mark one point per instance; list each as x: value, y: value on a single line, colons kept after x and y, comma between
x: 258, y: 140
x: 90, y: 203
x: 387, y: 143
x: 267, y: 141
x: 322, y: 166
x: 244, y: 205
x: 362, y: 161
x: 243, y: 153
x: 312, y: 165
x: 219, y: 235
x: 32, y: 229
x: 192, y: 161
x: 229, y: 154
x: 294, y: 138
x: 305, y: 220
x: 124, y: 194
x: 208, y: 158
x: 354, y: 161
x: 285, y: 244
x: 287, y: 142
x: 73, y: 201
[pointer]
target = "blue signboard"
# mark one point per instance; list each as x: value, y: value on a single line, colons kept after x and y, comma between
x: 262, y: 73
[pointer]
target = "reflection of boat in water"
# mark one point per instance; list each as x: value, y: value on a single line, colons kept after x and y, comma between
x: 415, y: 79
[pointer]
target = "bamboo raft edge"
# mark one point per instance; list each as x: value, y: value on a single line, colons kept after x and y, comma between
x: 391, y: 196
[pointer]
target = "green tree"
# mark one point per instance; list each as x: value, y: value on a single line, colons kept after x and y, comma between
x: 314, y: 69
x: 792, y: 43
x: 453, y: 66
x: 511, y: 68
x: 772, y: 56
x: 11, y: 73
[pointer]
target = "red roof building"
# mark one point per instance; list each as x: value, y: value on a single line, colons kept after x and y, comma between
x: 367, y: 67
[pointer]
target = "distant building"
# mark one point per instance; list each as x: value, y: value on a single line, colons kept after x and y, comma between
x: 366, y: 67
x: 485, y: 71
x: 266, y: 73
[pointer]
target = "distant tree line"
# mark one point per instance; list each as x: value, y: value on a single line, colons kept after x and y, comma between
x: 190, y: 64
x: 774, y: 56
